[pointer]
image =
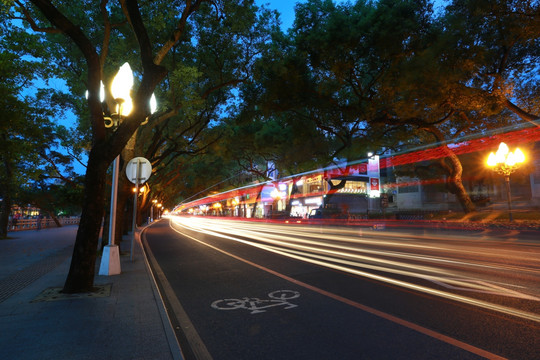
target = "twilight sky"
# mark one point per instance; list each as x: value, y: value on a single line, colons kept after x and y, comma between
x: 286, y: 9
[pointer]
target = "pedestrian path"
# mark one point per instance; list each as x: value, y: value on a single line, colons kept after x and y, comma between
x: 124, y: 321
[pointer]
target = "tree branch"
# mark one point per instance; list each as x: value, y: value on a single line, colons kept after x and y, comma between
x: 92, y: 60
x: 180, y: 28
x: 28, y: 18
x: 521, y: 113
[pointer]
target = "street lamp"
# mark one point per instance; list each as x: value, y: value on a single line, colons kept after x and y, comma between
x: 152, y: 210
x: 505, y: 162
x: 121, y: 91
x: 159, y: 207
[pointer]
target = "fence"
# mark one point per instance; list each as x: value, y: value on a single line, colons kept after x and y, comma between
x: 29, y: 224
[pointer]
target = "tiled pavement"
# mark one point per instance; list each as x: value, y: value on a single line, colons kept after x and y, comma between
x: 127, y: 323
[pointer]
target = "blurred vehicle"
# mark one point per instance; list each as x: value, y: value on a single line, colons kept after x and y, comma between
x: 327, y: 213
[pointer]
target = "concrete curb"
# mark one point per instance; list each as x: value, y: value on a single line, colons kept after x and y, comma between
x: 174, y: 346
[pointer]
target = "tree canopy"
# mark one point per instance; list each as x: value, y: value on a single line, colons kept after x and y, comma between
x: 239, y: 97
x: 30, y: 140
x: 168, y: 45
x: 390, y: 74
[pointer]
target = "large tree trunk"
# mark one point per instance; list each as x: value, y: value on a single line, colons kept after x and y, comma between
x: 104, y: 147
x: 453, y: 166
x: 83, y: 263
x: 463, y: 196
x: 455, y: 182
x: 294, y: 191
x: 332, y: 190
x: 55, y: 219
x: 254, y: 209
x: 5, y: 195
x: 5, y: 209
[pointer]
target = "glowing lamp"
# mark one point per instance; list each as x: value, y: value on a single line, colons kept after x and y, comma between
x: 505, y: 162
x: 122, y: 83
x: 101, y: 93
x: 153, y: 104
x: 121, y: 89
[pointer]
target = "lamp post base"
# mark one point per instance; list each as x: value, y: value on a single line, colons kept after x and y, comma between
x: 509, y: 197
x: 110, y: 261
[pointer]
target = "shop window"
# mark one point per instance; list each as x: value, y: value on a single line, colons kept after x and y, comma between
x: 354, y: 187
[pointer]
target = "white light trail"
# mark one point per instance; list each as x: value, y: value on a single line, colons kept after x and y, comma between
x: 348, y: 251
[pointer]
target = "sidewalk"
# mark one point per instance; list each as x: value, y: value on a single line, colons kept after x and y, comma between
x: 126, y: 320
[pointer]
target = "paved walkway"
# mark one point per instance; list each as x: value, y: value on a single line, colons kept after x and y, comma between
x: 126, y: 320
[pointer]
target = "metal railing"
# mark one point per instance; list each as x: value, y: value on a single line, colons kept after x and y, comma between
x: 31, y: 224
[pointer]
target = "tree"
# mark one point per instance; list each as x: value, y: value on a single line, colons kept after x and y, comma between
x: 461, y: 79
x: 27, y: 135
x: 262, y: 145
x: 500, y: 40
x: 195, y: 96
x: 57, y: 198
x: 90, y: 28
x: 388, y: 74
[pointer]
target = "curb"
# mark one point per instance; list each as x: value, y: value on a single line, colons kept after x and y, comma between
x: 174, y: 346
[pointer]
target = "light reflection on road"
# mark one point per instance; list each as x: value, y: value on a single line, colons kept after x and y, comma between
x: 457, y: 267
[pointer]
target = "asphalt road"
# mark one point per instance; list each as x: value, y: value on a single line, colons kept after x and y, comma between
x: 244, y: 290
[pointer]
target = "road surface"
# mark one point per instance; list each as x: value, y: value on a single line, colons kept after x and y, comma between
x: 248, y: 290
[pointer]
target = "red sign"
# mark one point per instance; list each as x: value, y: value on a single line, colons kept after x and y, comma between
x: 374, y: 182
x: 360, y: 169
x: 357, y: 169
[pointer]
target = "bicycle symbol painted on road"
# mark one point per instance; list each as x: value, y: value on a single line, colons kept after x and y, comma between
x: 256, y: 305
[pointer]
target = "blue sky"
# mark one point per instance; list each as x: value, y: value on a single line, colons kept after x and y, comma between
x: 284, y: 7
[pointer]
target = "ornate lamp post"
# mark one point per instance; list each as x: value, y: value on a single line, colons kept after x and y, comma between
x: 121, y: 92
x: 505, y: 162
x: 120, y: 89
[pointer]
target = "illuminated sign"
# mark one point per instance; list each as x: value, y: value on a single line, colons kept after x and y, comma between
x: 315, y: 179
x: 374, y: 184
x: 315, y: 201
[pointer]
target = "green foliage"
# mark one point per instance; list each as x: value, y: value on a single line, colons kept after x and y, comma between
x: 58, y: 198
x: 199, y: 93
x: 347, y: 78
x: 29, y: 152
x: 378, y: 74
x: 25, y: 129
x: 374, y: 75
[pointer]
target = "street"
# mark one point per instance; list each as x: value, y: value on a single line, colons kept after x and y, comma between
x: 246, y: 290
